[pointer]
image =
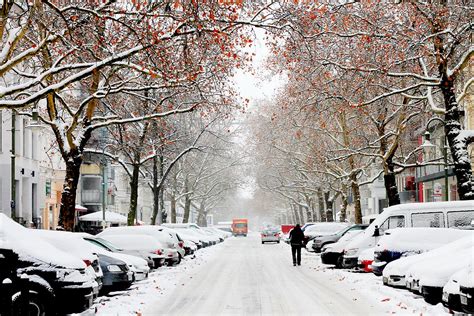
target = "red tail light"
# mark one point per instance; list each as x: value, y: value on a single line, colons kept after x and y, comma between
x: 87, y: 262
x: 277, y: 234
x: 159, y: 252
x: 263, y: 235
x: 181, y: 244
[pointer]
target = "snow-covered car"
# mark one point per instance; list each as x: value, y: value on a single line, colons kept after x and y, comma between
x: 322, y: 229
x: 333, y: 253
x: 142, y: 243
x: 270, y: 235
x: 59, y: 282
x: 106, y: 245
x: 178, y: 242
x: 451, y: 291
x: 320, y: 241
x: 365, y: 259
x: 192, y: 230
x: 70, y: 243
x: 397, y: 273
x: 452, y: 214
x: 138, y: 266
x: 221, y: 232
x: 171, y: 252
x: 466, y: 290
x: 409, y: 241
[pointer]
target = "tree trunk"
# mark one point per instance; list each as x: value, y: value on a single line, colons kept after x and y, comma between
x: 313, y: 210
x: 173, y: 208
x: 458, y: 147
x: 187, y: 209
x: 295, y: 212
x: 342, y: 216
x: 452, y: 127
x: 67, y: 212
x: 301, y: 214
x: 132, y: 213
x: 329, y: 207
x: 356, y: 194
x: 322, y: 213
x: 391, y: 184
x: 155, y: 192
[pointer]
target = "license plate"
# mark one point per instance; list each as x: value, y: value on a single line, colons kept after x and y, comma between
x: 463, y: 299
x: 384, y: 280
x: 130, y: 276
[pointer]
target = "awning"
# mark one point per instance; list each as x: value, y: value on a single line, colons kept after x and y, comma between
x: 80, y: 208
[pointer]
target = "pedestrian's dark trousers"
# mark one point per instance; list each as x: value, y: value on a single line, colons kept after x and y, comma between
x: 296, y: 253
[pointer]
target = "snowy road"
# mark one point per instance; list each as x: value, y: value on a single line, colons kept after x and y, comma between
x: 248, y: 278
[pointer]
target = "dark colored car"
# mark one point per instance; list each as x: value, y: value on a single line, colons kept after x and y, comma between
x: 466, y: 297
x: 39, y: 288
x: 320, y: 241
x: 117, y: 275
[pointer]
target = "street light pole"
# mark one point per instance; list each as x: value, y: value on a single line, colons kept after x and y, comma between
x: 12, y: 179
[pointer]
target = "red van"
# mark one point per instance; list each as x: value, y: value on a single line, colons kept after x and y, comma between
x: 240, y: 227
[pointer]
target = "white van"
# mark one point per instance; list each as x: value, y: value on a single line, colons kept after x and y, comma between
x: 454, y: 214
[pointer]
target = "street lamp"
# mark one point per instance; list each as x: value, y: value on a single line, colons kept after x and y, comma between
x: 427, y: 146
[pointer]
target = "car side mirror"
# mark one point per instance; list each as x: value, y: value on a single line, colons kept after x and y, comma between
x: 376, y: 231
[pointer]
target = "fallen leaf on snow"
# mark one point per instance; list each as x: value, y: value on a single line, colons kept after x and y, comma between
x: 386, y: 299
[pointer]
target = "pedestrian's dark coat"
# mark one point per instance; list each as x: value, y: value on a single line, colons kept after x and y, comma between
x: 296, y: 236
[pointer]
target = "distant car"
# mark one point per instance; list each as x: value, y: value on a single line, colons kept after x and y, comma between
x: 409, y: 241
x: 322, y: 229
x: 270, y: 236
x: 117, y: 275
x: 320, y: 241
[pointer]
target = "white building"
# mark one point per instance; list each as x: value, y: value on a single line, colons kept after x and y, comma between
x: 26, y: 171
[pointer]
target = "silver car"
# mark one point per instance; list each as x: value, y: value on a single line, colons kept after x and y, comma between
x: 270, y: 236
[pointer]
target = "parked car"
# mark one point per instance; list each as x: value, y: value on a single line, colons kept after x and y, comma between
x: 320, y: 241
x: 193, y: 230
x: 70, y: 243
x: 322, y: 229
x: 451, y: 291
x: 333, y: 253
x: 466, y: 290
x: 409, y: 241
x: 58, y: 282
x: 222, y: 232
x: 270, y: 235
x: 136, y: 265
x: 453, y: 214
x: 170, y: 250
x: 117, y: 275
x: 189, y: 247
x: 100, y: 242
x: 142, y: 243
x: 397, y: 273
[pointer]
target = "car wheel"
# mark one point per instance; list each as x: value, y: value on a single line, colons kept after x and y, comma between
x: 278, y: 242
x: 40, y: 304
x: 179, y: 258
x: 340, y: 262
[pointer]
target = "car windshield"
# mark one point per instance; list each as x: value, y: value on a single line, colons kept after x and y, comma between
x: 240, y: 225
x: 104, y: 243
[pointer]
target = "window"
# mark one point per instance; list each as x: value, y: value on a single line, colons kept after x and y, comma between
x: 392, y: 222
x: 461, y: 219
x: 435, y: 219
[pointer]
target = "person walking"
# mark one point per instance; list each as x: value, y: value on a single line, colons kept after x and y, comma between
x: 296, y: 242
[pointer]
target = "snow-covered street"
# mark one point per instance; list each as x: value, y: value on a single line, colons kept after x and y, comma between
x: 244, y: 277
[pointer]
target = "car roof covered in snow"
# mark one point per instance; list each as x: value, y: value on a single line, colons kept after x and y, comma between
x: 32, y: 248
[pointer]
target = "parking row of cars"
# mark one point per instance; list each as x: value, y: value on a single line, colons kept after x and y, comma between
x: 427, y: 248
x: 55, y: 272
